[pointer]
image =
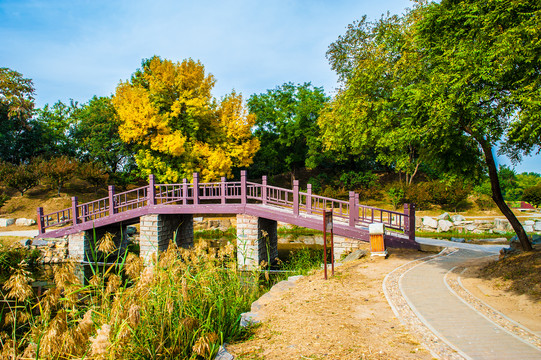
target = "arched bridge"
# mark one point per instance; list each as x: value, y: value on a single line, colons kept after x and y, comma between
x: 251, y: 199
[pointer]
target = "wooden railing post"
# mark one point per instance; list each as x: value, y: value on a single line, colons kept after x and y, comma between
x: 195, y: 188
x: 41, y: 224
x: 264, y: 189
x: 409, y: 225
x: 309, y: 199
x: 74, y: 203
x: 184, y: 191
x: 151, y: 190
x: 296, y: 197
x: 356, y: 206
x: 243, y: 188
x: 352, y: 208
x: 223, y: 189
x: 112, y: 209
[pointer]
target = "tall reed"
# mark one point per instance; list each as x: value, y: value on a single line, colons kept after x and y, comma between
x: 183, y: 305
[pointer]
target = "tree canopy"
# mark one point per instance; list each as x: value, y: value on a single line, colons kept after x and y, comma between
x: 17, y: 133
x: 442, y: 85
x: 98, y: 137
x: 168, y: 114
x: 286, y: 125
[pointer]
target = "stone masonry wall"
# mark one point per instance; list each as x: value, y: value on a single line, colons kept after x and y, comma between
x: 82, y: 247
x: 257, y: 240
x: 343, y: 245
x: 156, y: 231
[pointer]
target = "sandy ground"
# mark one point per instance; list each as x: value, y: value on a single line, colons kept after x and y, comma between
x: 348, y: 317
x: 520, y: 308
x: 345, y: 317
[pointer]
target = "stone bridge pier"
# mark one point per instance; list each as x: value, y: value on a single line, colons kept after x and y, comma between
x: 82, y: 246
x: 157, y: 230
x: 257, y: 241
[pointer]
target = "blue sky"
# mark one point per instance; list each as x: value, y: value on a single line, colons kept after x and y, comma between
x: 80, y: 48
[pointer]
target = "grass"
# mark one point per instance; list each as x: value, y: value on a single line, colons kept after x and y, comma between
x: 456, y: 234
x: 520, y: 273
x: 182, y: 306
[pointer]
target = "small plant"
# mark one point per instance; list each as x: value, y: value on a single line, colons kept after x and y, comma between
x: 396, y: 195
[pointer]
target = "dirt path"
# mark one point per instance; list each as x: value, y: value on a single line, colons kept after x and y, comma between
x: 346, y: 317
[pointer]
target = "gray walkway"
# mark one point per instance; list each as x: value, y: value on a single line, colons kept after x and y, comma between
x: 472, y: 335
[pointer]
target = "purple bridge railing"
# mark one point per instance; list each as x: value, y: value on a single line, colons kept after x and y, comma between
x: 293, y: 206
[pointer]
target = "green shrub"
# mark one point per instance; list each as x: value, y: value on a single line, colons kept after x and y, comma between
x: 419, y: 194
x: 532, y: 195
x: 396, y: 195
x: 353, y: 180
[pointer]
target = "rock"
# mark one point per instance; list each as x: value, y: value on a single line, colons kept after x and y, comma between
x: 39, y: 242
x: 529, y: 223
x: 130, y: 230
x: 460, y: 223
x: 537, y: 226
x: 61, y: 244
x: 248, y: 318
x: 6, y: 222
x: 223, y: 354
x: 502, y: 224
x: 357, y: 254
x: 470, y: 227
x: 430, y: 222
x: 25, y: 222
x: 51, y: 244
x: 26, y: 242
x: 528, y: 228
x: 444, y: 225
x: 456, y: 218
x: 444, y: 216
x: 536, y: 239
x: 458, y: 240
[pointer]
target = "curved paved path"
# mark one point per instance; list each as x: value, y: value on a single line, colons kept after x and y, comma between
x: 451, y: 319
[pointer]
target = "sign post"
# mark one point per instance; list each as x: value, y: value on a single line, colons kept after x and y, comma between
x: 328, y: 226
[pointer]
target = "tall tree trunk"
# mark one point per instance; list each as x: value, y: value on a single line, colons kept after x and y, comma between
x: 498, y: 198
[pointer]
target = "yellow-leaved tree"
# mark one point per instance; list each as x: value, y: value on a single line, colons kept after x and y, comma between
x: 168, y: 113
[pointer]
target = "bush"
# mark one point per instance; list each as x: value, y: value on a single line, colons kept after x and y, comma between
x: 396, y: 194
x: 449, y: 194
x: 532, y: 195
x: 58, y: 171
x: 94, y: 173
x: 419, y: 194
x: 353, y: 180
x: 21, y: 177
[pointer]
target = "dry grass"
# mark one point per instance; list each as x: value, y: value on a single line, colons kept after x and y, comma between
x: 520, y: 273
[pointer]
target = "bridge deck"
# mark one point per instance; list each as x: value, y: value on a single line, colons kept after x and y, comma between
x: 285, y: 205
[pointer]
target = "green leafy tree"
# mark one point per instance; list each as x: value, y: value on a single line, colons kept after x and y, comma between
x: 450, y: 79
x: 482, y: 61
x: 22, y: 177
x: 58, y: 123
x: 19, y: 136
x: 98, y: 138
x: 286, y: 126
x: 533, y: 195
x: 377, y: 63
x: 93, y: 172
x: 58, y: 171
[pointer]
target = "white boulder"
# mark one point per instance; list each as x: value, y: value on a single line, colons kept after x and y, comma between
x: 25, y: 222
x: 456, y: 218
x: 430, y: 222
x: 537, y: 226
x: 6, y: 222
x: 444, y: 225
x: 528, y: 228
x: 444, y: 216
x: 529, y: 222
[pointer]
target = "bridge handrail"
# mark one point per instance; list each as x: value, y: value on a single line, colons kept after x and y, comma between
x: 191, y: 193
